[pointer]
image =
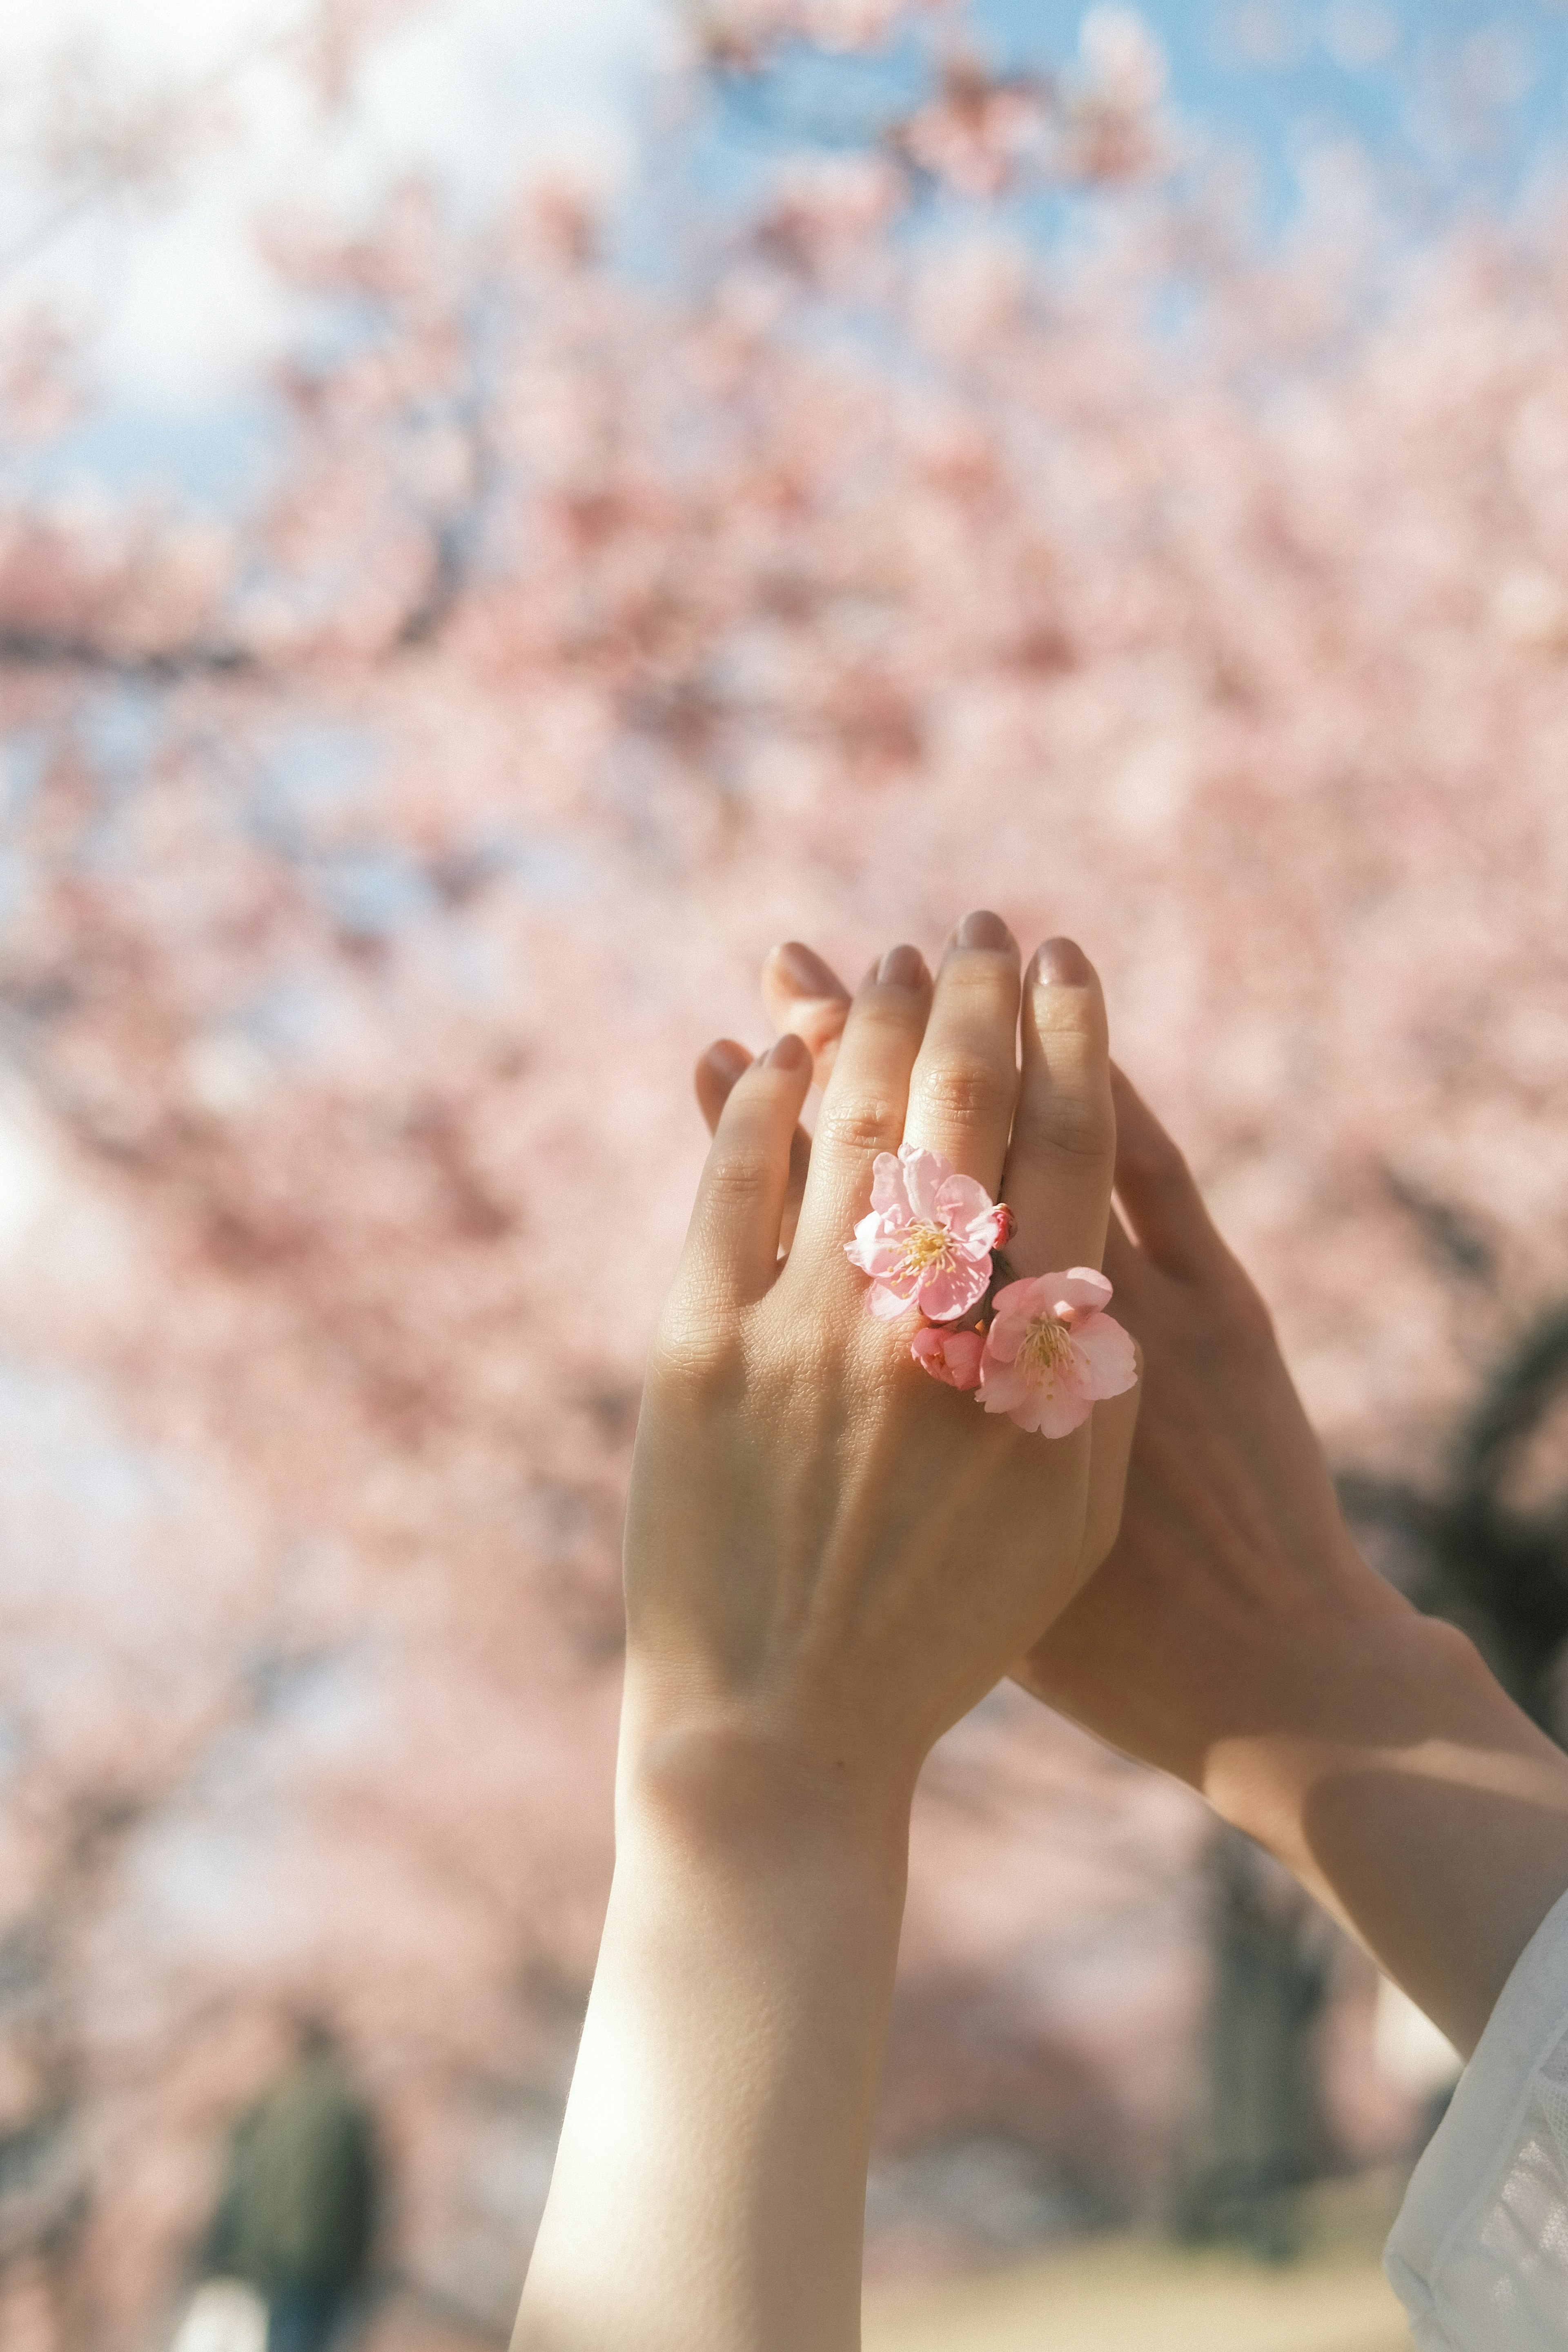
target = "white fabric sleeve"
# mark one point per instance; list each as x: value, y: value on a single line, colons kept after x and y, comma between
x: 1478, y: 2255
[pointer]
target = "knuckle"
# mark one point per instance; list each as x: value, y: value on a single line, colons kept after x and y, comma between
x: 860, y: 1124
x: 1068, y: 1125
x: 968, y: 1092
x: 697, y: 1355
x: 738, y: 1174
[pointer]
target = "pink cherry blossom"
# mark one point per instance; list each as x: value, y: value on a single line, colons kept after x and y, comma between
x: 1052, y: 1350
x: 928, y: 1240
x: 949, y: 1356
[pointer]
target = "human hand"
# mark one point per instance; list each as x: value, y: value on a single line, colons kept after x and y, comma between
x: 1234, y: 1580
x: 1234, y: 1637
x: 1231, y: 1544
x: 829, y: 1556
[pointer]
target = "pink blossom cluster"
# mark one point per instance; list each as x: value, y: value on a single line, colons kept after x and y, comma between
x: 976, y: 131
x: 1051, y: 1351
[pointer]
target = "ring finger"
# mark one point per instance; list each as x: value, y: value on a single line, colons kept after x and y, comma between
x: 1064, y: 1139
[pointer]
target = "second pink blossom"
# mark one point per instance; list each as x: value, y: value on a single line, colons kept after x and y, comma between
x: 928, y: 1240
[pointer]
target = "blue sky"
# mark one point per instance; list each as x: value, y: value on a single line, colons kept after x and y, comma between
x: 1474, y: 87
x: 1456, y: 92
x: 1462, y: 96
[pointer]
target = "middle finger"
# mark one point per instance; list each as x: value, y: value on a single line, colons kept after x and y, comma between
x: 964, y: 1085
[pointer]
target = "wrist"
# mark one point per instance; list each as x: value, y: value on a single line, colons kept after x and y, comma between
x: 1359, y: 1682
x: 720, y: 1788
x: 1421, y: 1808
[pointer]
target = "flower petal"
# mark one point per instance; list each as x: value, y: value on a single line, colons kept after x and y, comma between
x: 890, y: 1196
x: 1056, y: 1412
x: 1011, y: 1309
x: 960, y: 1200
x: 885, y: 1303
x: 952, y: 1356
x: 1003, y: 1387
x: 951, y: 1292
x: 1079, y: 1286
x: 1104, y: 1357
x: 871, y: 1250
x: 924, y: 1174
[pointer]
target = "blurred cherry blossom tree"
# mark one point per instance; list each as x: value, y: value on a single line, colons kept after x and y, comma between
x: 631, y: 593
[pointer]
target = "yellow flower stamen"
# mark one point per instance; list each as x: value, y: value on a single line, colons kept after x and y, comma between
x: 1045, y: 1347
x: 925, y: 1249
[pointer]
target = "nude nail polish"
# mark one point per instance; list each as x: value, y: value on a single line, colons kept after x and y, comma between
x: 902, y: 967
x: 982, y: 930
x: 1062, y: 964
x: 804, y: 971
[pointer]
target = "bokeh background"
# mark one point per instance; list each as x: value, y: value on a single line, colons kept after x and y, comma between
x: 506, y: 509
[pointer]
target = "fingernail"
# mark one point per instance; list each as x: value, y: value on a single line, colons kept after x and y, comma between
x: 902, y: 968
x: 789, y: 1052
x: 727, y: 1060
x: 982, y: 930
x: 1062, y: 964
x: 804, y: 971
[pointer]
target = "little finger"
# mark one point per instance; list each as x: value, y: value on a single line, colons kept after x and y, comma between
x: 733, y: 1245
x: 717, y: 1071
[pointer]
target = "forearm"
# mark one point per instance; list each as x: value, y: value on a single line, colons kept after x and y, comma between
x: 1406, y: 1791
x: 708, y: 2192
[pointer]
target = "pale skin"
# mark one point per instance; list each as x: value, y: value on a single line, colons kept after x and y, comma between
x: 1234, y: 1637
x: 804, y: 1618
x: 808, y: 1610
